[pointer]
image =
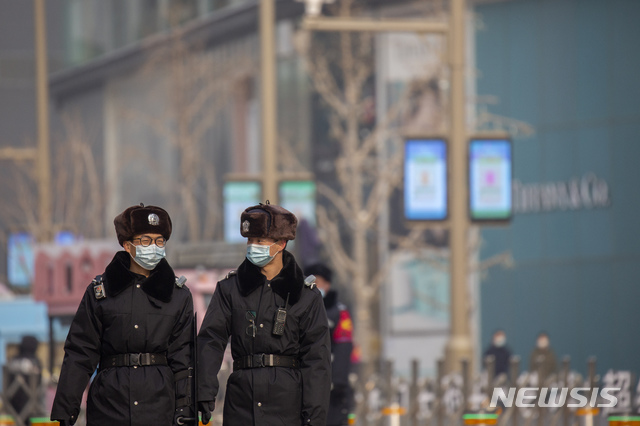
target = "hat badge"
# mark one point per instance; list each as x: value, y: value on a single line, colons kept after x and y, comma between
x: 245, y: 226
x: 154, y: 219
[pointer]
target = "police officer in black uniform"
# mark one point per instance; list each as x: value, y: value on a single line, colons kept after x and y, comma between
x: 341, y: 328
x: 134, y: 321
x: 278, y: 329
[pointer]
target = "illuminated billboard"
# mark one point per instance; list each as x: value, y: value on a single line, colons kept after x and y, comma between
x: 490, y: 174
x: 425, y: 179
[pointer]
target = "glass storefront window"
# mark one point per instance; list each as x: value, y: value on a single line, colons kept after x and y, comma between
x: 97, y: 27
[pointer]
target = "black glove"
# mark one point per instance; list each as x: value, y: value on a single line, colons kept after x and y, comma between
x: 205, y: 408
x: 70, y: 422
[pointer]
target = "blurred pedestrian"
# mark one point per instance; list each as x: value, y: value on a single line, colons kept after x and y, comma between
x: 341, y: 329
x: 278, y: 329
x: 26, y: 366
x: 500, y: 351
x: 135, y: 321
x: 542, y: 359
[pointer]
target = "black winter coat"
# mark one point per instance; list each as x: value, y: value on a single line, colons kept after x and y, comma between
x: 138, y: 315
x: 501, y: 355
x: 341, y: 329
x: 268, y: 395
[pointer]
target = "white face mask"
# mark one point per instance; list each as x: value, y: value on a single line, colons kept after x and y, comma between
x: 148, y: 257
x: 543, y: 343
x: 260, y: 255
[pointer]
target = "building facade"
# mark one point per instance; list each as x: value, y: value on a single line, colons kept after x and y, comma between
x: 160, y: 100
x: 568, y: 69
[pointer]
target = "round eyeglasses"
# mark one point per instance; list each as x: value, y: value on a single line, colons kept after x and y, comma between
x: 147, y: 241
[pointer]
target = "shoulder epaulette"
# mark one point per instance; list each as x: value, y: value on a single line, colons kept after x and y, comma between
x: 230, y: 274
x: 180, y: 282
x: 98, y: 288
x: 310, y: 281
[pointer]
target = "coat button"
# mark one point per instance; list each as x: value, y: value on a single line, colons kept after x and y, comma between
x: 137, y: 285
x: 261, y: 325
x: 135, y: 326
x: 135, y: 366
x: 259, y: 404
x: 135, y: 402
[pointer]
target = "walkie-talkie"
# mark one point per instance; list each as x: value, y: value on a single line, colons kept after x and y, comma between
x: 280, y: 319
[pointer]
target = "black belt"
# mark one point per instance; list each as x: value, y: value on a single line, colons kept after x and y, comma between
x: 265, y: 360
x: 131, y: 360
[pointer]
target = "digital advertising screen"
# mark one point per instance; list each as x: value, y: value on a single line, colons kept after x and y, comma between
x: 20, y: 265
x: 237, y: 196
x: 299, y: 197
x: 490, y: 174
x: 425, y: 179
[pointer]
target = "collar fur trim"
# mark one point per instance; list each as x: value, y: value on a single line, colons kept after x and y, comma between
x: 290, y: 279
x: 118, y: 277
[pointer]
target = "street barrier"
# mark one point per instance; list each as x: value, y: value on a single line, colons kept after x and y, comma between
x: 23, y: 387
x: 43, y: 421
x: 6, y: 421
x: 624, y: 421
x: 456, y: 399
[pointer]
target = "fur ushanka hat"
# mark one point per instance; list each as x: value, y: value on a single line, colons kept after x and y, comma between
x: 142, y: 219
x: 268, y: 221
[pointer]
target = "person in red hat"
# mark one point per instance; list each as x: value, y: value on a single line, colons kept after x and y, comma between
x: 133, y: 324
x: 279, y: 333
x: 341, y: 329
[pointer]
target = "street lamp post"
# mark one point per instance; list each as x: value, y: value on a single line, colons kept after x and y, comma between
x: 269, y: 101
x: 271, y: 174
x: 459, y: 346
x: 42, y: 100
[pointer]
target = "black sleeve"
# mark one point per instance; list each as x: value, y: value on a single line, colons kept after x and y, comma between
x: 315, y: 363
x: 179, y: 351
x: 81, y: 357
x: 212, y: 342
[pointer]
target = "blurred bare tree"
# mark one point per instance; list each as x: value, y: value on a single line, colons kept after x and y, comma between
x: 342, y: 76
x: 77, y: 186
x: 198, y: 85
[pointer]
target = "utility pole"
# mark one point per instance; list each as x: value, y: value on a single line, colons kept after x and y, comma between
x: 39, y: 155
x: 268, y: 101
x: 459, y: 346
x: 43, y: 169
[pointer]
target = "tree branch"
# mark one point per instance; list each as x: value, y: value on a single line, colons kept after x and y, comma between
x: 338, y: 255
x: 339, y: 202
